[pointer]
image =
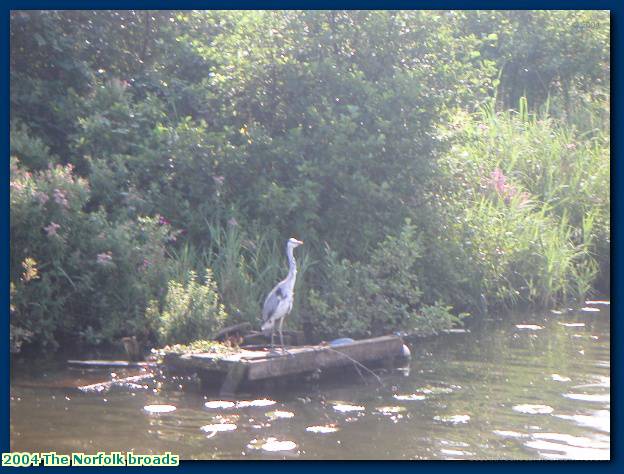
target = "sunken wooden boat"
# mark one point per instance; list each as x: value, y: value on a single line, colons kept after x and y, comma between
x: 258, y: 363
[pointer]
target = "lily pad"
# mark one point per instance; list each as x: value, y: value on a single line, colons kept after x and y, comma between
x: 586, y: 397
x: 533, y: 409
x: 274, y: 415
x: 599, y: 420
x: 273, y: 445
x: 159, y: 408
x: 390, y: 410
x: 560, y: 378
x: 454, y: 419
x: 219, y: 427
x: 219, y: 404
x: 263, y: 402
x: 322, y: 429
x: 343, y: 408
x: 410, y: 398
x: 529, y: 327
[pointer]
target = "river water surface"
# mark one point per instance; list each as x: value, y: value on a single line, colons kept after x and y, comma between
x: 535, y: 387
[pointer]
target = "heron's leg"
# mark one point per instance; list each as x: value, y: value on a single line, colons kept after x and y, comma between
x: 273, y: 349
x: 281, y: 334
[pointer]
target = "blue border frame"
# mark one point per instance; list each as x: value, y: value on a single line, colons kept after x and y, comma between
x: 616, y: 39
x: 312, y: 5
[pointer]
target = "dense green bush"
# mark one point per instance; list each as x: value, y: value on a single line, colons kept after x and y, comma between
x: 367, y: 299
x: 74, y: 274
x: 191, y: 310
x: 541, y: 54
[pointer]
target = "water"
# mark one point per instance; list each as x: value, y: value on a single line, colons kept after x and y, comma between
x: 537, y: 387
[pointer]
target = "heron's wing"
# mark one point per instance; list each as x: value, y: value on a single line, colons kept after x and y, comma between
x: 272, y: 302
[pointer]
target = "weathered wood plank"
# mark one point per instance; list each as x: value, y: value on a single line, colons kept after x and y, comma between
x: 103, y: 364
x: 309, y: 358
x: 251, y: 365
x: 197, y: 361
x: 234, y: 378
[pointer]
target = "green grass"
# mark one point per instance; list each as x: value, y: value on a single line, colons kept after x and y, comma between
x: 542, y: 235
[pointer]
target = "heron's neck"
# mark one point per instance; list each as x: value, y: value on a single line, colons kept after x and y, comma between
x: 292, y: 265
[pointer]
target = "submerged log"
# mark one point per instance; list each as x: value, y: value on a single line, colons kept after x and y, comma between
x: 101, y: 386
x: 236, y: 330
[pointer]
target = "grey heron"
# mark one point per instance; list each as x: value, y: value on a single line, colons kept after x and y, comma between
x: 279, y: 301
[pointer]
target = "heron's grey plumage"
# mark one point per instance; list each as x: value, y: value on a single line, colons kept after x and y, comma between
x: 279, y: 302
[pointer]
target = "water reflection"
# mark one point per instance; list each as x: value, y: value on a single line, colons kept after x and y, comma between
x: 502, y: 390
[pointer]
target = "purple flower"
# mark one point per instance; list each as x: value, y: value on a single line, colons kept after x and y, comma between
x: 41, y: 197
x: 17, y: 185
x: 163, y: 221
x: 218, y: 180
x: 498, y: 180
x: 232, y: 222
x: 60, y: 198
x: 51, y: 229
x: 105, y: 258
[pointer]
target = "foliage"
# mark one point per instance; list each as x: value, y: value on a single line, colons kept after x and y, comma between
x: 196, y: 347
x: 525, y: 208
x: 565, y: 54
x: 149, y: 145
x: 191, y: 310
x: 369, y: 299
x: 76, y: 275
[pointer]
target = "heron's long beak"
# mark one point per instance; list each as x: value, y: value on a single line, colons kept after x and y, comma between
x: 299, y: 242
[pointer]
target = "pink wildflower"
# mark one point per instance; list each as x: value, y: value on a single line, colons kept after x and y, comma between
x: 105, y: 258
x: 60, y: 198
x: 17, y: 186
x: 218, y: 180
x: 119, y: 84
x: 498, y: 180
x: 163, y: 221
x: 232, y: 222
x: 51, y: 229
x: 41, y: 197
